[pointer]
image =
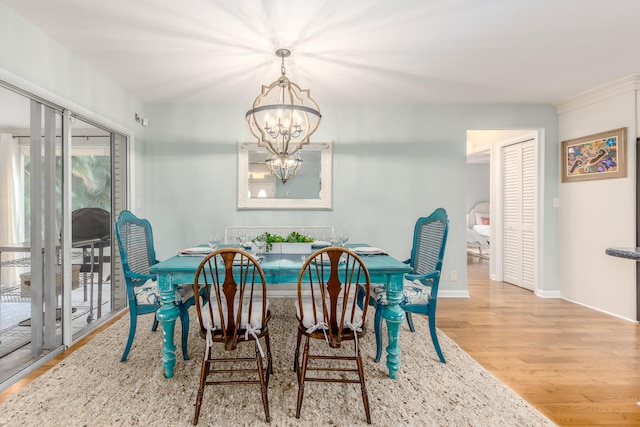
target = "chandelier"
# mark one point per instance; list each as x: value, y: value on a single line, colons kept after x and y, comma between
x: 283, y: 118
x: 283, y: 167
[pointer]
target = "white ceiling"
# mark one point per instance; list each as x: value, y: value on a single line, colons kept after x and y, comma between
x: 427, y: 51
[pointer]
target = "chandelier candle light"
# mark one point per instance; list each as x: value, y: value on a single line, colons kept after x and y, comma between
x: 283, y: 118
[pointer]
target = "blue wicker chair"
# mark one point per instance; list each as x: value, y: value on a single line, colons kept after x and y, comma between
x: 135, y: 241
x: 420, y: 292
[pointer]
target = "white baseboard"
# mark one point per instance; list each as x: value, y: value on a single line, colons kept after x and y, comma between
x: 601, y: 311
x: 453, y: 294
x: 547, y: 294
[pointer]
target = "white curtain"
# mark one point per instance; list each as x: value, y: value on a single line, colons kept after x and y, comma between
x: 11, y: 203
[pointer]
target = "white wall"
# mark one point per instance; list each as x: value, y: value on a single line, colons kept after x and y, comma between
x: 598, y: 214
x: 33, y: 61
x: 478, y: 184
x: 392, y: 164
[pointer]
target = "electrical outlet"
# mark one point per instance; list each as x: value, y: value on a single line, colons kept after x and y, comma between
x: 454, y: 276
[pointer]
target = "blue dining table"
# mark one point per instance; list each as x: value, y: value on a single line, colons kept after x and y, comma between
x: 280, y: 269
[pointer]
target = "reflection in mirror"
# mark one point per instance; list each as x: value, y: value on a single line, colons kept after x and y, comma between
x: 305, y: 184
x: 310, y: 188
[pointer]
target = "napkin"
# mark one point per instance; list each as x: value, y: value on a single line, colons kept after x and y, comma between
x: 320, y: 244
x: 197, y: 251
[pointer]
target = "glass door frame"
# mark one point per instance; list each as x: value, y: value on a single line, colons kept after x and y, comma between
x: 43, y: 230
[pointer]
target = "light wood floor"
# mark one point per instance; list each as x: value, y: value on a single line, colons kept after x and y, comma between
x: 577, y: 366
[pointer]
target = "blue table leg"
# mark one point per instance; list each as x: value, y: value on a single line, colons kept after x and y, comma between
x: 167, y: 315
x: 394, y: 316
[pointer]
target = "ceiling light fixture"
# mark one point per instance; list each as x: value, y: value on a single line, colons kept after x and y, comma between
x: 283, y: 118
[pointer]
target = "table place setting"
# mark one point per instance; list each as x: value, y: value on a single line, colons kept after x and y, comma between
x: 368, y: 250
x: 195, y: 251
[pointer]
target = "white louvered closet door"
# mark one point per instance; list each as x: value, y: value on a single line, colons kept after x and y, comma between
x: 519, y: 231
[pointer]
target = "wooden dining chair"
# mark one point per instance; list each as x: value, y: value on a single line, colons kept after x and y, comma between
x: 237, y: 311
x: 135, y: 243
x: 329, y: 313
x: 420, y: 287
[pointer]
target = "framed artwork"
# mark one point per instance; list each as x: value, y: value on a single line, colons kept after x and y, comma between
x: 599, y: 156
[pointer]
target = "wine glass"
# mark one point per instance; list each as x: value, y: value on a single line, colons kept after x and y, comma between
x: 214, y: 240
x: 344, y: 238
x: 241, y: 238
x: 259, y: 246
x: 337, y: 238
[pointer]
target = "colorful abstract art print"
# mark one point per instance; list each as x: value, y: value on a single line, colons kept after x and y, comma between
x: 598, y: 156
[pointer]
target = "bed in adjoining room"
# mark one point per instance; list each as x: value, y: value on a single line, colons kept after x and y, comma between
x: 479, y: 231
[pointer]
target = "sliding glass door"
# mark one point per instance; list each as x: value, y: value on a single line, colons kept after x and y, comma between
x: 98, y: 167
x: 63, y: 179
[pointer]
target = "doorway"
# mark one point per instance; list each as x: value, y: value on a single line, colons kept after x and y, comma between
x: 487, y: 147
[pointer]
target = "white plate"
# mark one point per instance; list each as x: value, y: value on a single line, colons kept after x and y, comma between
x: 320, y: 244
x: 368, y: 250
x: 200, y: 250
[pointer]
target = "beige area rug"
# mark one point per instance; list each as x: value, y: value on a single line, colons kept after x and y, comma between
x: 92, y: 388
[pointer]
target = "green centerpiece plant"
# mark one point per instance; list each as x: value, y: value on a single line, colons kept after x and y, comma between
x: 270, y: 239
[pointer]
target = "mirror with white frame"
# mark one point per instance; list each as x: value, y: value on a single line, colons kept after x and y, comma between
x: 309, y: 189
